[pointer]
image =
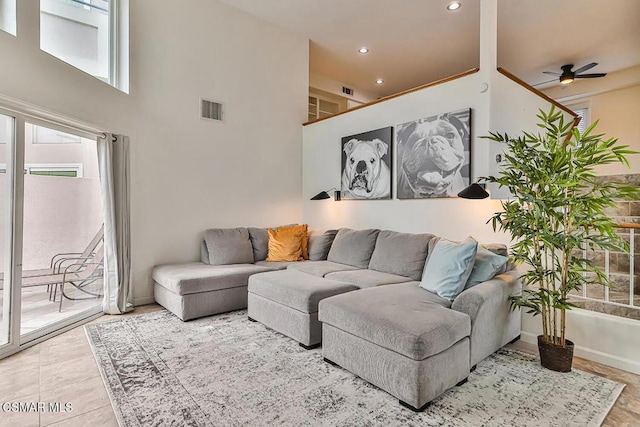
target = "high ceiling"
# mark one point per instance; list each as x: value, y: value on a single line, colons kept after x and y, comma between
x: 413, y: 42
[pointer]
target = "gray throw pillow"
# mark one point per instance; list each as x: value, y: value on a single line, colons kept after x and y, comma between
x: 229, y: 246
x: 320, y: 244
x: 486, y: 266
x: 403, y: 254
x: 353, y: 247
x: 496, y: 248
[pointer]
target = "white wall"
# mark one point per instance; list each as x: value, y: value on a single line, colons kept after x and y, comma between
x: 513, y: 111
x: 188, y: 174
x: 451, y: 218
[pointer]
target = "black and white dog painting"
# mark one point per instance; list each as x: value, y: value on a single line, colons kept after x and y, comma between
x: 366, y: 161
x: 434, y: 156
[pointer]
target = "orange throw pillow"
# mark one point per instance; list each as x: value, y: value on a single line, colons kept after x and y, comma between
x: 305, y: 239
x: 286, y: 243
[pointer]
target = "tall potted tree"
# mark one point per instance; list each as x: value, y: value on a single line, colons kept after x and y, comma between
x: 557, y: 210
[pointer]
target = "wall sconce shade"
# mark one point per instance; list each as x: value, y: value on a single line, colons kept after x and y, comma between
x: 323, y: 195
x: 474, y: 191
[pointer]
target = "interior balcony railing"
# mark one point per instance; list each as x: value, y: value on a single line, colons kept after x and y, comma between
x: 622, y: 296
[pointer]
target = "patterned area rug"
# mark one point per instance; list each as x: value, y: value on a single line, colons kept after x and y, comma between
x: 227, y: 371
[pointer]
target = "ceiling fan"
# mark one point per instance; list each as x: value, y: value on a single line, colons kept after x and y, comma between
x: 568, y: 76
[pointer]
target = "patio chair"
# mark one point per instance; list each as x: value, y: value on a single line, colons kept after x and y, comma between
x: 77, y: 268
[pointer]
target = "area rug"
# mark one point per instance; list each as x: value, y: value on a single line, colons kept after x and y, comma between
x: 227, y: 371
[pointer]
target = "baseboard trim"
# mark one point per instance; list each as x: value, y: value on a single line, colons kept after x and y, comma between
x: 143, y: 301
x: 593, y: 355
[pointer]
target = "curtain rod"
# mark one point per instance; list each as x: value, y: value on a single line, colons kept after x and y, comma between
x: 40, y: 114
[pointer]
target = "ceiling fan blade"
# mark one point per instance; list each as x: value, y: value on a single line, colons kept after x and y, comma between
x: 585, y: 67
x: 551, y: 73
x: 590, y: 76
x: 544, y: 83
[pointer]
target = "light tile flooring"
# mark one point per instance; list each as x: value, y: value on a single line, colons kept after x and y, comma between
x: 63, y: 369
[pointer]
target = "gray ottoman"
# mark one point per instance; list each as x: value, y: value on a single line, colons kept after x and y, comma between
x: 400, y: 338
x: 287, y: 301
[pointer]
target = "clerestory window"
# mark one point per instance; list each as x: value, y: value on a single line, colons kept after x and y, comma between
x: 87, y: 34
x: 8, y: 16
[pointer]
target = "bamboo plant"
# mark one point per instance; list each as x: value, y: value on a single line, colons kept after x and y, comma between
x: 557, y: 210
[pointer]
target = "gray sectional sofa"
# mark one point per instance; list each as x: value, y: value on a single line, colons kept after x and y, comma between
x: 359, y: 296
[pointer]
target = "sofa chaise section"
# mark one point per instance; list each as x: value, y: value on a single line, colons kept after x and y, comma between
x: 400, y: 338
x: 194, y: 290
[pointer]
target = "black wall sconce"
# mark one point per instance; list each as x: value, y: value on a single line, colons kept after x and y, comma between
x: 474, y: 191
x: 325, y: 195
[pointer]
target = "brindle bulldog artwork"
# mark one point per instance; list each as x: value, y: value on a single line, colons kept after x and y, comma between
x: 434, y: 156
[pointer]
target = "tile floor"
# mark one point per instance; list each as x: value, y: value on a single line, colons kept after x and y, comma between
x: 63, y: 369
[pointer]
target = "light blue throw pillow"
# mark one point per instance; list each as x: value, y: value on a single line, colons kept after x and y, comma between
x: 449, y: 267
x: 486, y: 266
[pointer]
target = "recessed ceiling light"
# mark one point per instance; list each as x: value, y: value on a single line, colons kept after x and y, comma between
x: 363, y: 50
x: 454, y: 5
x: 379, y: 81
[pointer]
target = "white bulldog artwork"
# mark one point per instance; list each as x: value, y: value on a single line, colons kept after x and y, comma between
x: 434, y: 156
x: 365, y: 165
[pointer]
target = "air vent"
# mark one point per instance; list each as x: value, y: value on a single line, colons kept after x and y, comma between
x: 347, y: 91
x: 210, y: 110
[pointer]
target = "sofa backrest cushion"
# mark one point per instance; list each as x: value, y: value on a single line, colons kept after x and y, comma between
x: 353, y: 247
x: 260, y: 243
x: 204, y: 253
x: 448, y: 267
x: 229, y: 246
x: 320, y: 244
x: 403, y: 254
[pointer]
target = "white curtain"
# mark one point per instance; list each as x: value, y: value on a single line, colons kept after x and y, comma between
x: 113, y: 162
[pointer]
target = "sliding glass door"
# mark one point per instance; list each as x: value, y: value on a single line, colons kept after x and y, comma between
x: 6, y: 141
x: 51, y: 229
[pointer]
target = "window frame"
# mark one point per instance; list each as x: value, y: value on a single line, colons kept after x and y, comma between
x: 584, y: 104
x: 117, y: 70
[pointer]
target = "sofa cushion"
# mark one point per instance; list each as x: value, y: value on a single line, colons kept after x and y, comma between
x: 276, y: 265
x: 485, y: 267
x: 228, y: 246
x: 319, y: 268
x: 402, y: 318
x: 353, y: 247
x: 403, y: 254
x: 320, y: 244
x: 191, y: 278
x: 204, y: 253
x: 259, y: 243
x: 296, y: 290
x: 367, y: 278
x: 448, y: 268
